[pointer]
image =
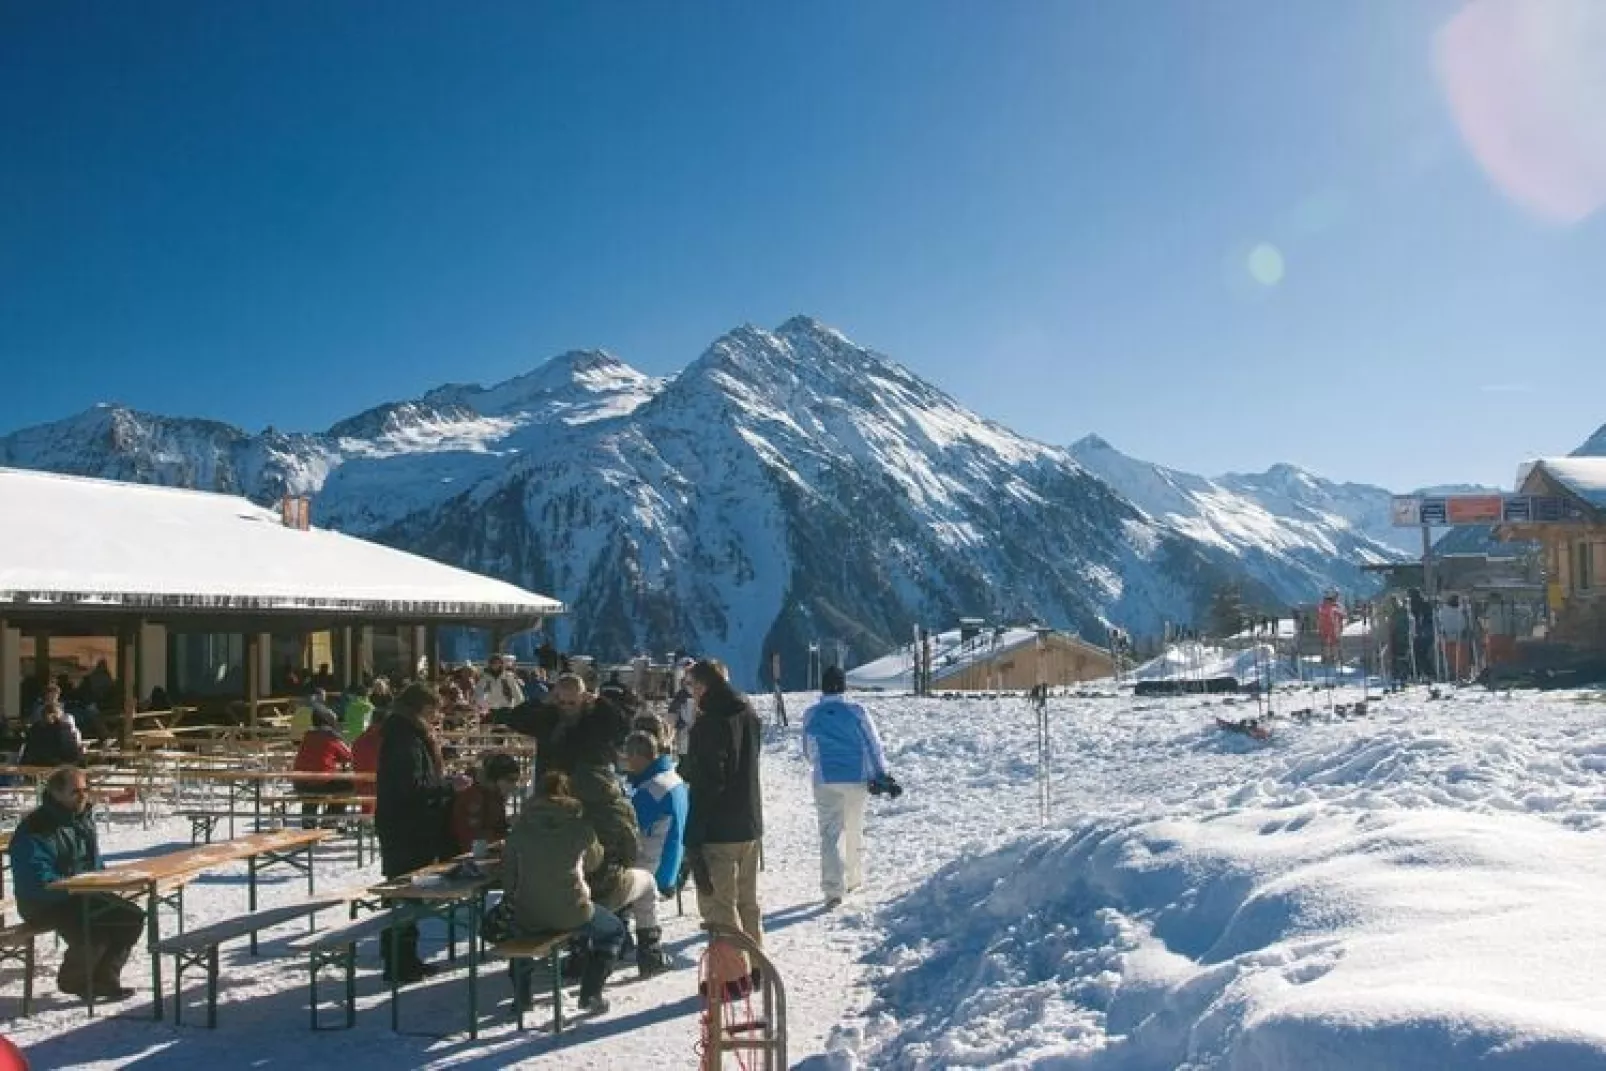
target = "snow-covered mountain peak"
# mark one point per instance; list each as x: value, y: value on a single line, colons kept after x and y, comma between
x: 587, y: 384
x: 1091, y: 443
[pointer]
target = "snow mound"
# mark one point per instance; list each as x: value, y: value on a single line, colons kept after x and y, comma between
x: 1255, y: 939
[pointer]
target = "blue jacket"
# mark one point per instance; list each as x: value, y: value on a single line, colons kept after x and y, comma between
x: 841, y: 742
x: 51, y: 843
x: 660, y: 799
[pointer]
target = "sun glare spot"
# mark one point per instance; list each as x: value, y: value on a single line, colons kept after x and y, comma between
x: 1266, y: 264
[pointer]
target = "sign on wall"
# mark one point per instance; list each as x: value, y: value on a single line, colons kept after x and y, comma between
x: 1452, y: 511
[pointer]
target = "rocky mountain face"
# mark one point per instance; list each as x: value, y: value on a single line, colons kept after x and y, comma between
x: 1595, y: 446
x: 788, y: 486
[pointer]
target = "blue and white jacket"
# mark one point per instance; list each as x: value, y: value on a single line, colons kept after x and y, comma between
x: 660, y: 799
x: 841, y: 742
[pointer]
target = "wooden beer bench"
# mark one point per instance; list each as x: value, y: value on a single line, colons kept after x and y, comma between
x: 160, y: 880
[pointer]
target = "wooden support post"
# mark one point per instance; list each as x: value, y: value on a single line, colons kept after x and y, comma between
x: 348, y: 675
x: 253, y: 676
x: 41, y: 658
x: 128, y: 678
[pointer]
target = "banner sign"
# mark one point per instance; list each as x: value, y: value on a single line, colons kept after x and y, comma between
x: 1452, y: 511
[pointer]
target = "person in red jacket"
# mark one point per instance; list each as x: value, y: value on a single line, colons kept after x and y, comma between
x: 365, y: 753
x: 323, y: 750
x: 480, y: 811
x: 1330, y: 625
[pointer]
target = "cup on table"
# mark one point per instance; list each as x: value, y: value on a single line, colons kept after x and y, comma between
x: 481, y: 849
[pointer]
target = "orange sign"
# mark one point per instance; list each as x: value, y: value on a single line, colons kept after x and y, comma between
x: 1473, y: 509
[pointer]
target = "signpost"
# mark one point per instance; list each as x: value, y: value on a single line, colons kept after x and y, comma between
x: 1463, y: 511
x: 1460, y: 511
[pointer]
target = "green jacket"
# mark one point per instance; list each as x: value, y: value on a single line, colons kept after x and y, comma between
x: 51, y: 843
x: 613, y: 820
x: 547, y: 851
x: 354, y: 716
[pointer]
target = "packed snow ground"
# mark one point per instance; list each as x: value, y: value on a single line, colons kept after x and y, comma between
x: 1416, y: 888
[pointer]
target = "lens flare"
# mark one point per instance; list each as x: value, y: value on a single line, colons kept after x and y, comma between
x: 1266, y: 264
x: 1526, y: 85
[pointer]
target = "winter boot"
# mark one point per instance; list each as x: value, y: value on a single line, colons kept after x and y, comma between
x: 401, y: 955
x: 650, y: 956
x: 109, y: 974
x: 598, y: 966
x: 73, y: 977
x: 574, y: 964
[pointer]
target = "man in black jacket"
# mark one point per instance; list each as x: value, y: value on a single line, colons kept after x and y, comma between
x: 726, y: 816
x: 573, y: 730
x: 412, y: 811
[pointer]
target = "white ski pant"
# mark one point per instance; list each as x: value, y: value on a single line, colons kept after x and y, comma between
x: 841, y: 812
x: 638, y: 893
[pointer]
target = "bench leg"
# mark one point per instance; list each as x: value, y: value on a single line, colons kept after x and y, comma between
x: 351, y: 986
x: 178, y: 990
x: 251, y: 894
x: 451, y: 934
x: 312, y: 1004
x: 27, y: 979
x: 211, y: 988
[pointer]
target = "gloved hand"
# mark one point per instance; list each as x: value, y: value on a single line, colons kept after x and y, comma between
x: 885, y: 785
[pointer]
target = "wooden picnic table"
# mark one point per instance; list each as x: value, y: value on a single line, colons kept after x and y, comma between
x: 160, y: 881
x: 432, y: 892
x: 247, y: 784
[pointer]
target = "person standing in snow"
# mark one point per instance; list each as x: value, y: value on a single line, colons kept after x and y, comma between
x: 842, y: 745
x: 725, y: 818
x: 682, y: 708
x: 1330, y: 625
x: 499, y: 689
x: 1451, y: 622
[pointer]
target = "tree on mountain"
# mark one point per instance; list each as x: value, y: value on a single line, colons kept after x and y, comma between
x: 1227, y: 614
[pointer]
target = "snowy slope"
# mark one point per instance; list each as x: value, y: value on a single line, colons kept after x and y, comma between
x: 1418, y: 889
x: 1407, y: 891
x: 787, y: 486
x: 1294, y: 531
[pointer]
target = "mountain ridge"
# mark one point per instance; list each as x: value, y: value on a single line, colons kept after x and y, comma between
x: 787, y: 485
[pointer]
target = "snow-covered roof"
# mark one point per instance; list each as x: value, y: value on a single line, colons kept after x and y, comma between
x: 950, y: 655
x: 1583, y: 476
x: 73, y: 541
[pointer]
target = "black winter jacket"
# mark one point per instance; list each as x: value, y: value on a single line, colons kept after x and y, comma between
x: 413, y: 800
x: 721, y: 772
x: 51, y: 744
x: 592, y: 740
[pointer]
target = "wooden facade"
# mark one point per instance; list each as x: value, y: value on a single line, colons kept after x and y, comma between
x: 1574, y: 560
x: 1058, y: 661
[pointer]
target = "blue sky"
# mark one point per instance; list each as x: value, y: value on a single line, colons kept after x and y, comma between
x: 281, y: 213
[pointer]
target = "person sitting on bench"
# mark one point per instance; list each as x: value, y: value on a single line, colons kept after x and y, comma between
x: 479, y: 813
x: 57, y: 841
x: 549, y: 850
x: 323, y: 750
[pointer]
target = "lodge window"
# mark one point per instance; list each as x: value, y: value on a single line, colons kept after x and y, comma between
x: 1585, y: 571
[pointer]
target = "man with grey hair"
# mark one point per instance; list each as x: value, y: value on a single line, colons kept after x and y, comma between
x: 57, y: 840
